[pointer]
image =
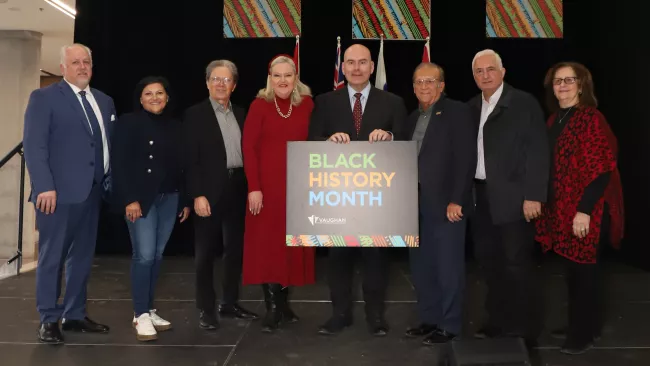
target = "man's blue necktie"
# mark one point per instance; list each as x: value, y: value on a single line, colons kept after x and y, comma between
x: 97, y: 136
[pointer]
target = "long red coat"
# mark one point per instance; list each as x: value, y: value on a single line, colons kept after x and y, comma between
x: 585, y: 149
x: 267, y: 259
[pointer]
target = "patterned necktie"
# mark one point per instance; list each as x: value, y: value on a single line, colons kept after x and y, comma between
x: 357, y: 112
x: 97, y: 136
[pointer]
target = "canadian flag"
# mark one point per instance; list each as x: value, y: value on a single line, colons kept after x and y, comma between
x: 425, y: 53
x: 296, y: 55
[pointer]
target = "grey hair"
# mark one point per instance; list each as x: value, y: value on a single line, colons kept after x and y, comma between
x: 432, y: 65
x: 222, y: 63
x: 491, y: 53
x: 298, y: 93
x: 65, y: 48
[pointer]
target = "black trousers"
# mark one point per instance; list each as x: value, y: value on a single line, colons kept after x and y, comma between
x: 584, y: 283
x: 221, y: 233
x: 505, y: 252
x: 375, y: 279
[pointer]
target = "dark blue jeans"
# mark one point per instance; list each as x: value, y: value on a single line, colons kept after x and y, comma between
x: 149, y: 236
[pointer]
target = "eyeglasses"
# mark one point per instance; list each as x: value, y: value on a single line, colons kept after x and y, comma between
x: 219, y: 80
x: 567, y: 80
x: 424, y: 82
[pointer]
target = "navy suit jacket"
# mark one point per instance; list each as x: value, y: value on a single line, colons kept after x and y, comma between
x: 447, y: 158
x: 58, y: 143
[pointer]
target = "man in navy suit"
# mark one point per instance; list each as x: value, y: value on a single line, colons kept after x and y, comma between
x: 66, y: 142
x: 446, y: 139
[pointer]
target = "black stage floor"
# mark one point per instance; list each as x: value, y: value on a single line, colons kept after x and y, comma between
x: 625, y: 341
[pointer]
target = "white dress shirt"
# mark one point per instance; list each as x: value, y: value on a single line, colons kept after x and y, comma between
x: 486, y: 109
x: 364, y: 96
x: 100, y: 119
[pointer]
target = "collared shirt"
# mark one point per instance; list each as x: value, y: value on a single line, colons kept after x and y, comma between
x: 487, y: 107
x: 422, y: 124
x: 364, y: 96
x: 230, y: 132
x: 98, y: 113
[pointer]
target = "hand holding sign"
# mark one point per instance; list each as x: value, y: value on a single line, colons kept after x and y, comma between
x: 340, y: 138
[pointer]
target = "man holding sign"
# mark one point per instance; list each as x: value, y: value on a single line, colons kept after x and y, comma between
x: 356, y: 113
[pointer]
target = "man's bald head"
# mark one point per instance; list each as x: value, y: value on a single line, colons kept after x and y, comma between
x: 357, y: 66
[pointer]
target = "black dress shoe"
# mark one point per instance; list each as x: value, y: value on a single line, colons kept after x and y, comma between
x: 437, y: 337
x: 335, y: 325
x: 378, y: 327
x: 86, y: 326
x: 50, y: 333
x: 236, y: 311
x: 421, y: 330
x: 572, y: 347
x: 207, y: 320
x: 489, y: 331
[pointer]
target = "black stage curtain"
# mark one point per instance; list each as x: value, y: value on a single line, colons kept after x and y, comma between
x: 132, y: 39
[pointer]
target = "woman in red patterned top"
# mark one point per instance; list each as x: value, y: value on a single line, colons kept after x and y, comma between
x: 585, y: 198
x: 279, y: 114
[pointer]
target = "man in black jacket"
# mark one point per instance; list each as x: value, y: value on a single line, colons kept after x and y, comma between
x: 358, y: 112
x: 511, y: 183
x: 216, y: 182
x: 446, y: 138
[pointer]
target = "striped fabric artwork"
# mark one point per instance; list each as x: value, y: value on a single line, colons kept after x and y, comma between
x: 261, y: 18
x: 395, y: 19
x: 524, y: 19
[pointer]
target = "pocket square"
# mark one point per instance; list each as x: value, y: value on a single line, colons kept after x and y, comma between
x: 112, y: 117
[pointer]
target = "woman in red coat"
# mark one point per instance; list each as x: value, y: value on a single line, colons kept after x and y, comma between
x: 585, y: 198
x: 279, y: 114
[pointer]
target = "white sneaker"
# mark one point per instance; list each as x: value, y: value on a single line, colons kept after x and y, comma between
x: 159, y: 323
x: 144, y: 328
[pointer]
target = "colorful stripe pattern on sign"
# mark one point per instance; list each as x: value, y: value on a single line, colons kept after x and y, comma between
x: 261, y: 18
x: 369, y: 241
x: 524, y: 19
x: 395, y: 19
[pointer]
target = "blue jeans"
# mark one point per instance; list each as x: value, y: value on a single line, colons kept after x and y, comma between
x: 149, y: 236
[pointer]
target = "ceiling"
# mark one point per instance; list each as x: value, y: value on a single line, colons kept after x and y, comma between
x: 37, y: 15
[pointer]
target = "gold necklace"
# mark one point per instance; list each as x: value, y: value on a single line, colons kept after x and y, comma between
x: 277, y: 108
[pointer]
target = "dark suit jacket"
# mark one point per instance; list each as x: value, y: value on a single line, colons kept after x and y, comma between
x: 58, y: 142
x: 147, y: 155
x: 517, y: 158
x: 207, y: 171
x: 447, y: 159
x: 333, y: 113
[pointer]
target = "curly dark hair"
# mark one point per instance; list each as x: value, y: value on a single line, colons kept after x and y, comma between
x: 585, y: 85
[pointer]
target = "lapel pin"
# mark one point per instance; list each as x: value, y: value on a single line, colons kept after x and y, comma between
x: 438, y: 113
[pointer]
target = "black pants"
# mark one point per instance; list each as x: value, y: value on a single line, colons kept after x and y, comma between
x: 222, y: 232
x: 505, y: 252
x: 375, y: 279
x: 585, y: 293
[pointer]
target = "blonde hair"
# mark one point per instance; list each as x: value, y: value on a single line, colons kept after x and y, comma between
x: 300, y: 90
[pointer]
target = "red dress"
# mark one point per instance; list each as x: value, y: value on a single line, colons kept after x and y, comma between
x: 267, y: 259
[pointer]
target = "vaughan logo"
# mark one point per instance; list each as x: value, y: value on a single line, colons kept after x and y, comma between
x: 315, y: 220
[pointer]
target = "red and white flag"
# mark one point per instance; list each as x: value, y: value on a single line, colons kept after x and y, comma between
x: 426, y: 57
x: 338, y: 71
x: 296, y: 56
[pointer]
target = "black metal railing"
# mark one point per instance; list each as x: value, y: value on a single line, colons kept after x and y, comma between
x: 21, y: 210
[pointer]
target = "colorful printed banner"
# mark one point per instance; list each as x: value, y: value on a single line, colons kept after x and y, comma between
x: 261, y: 18
x: 395, y: 19
x: 352, y: 195
x: 524, y: 19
